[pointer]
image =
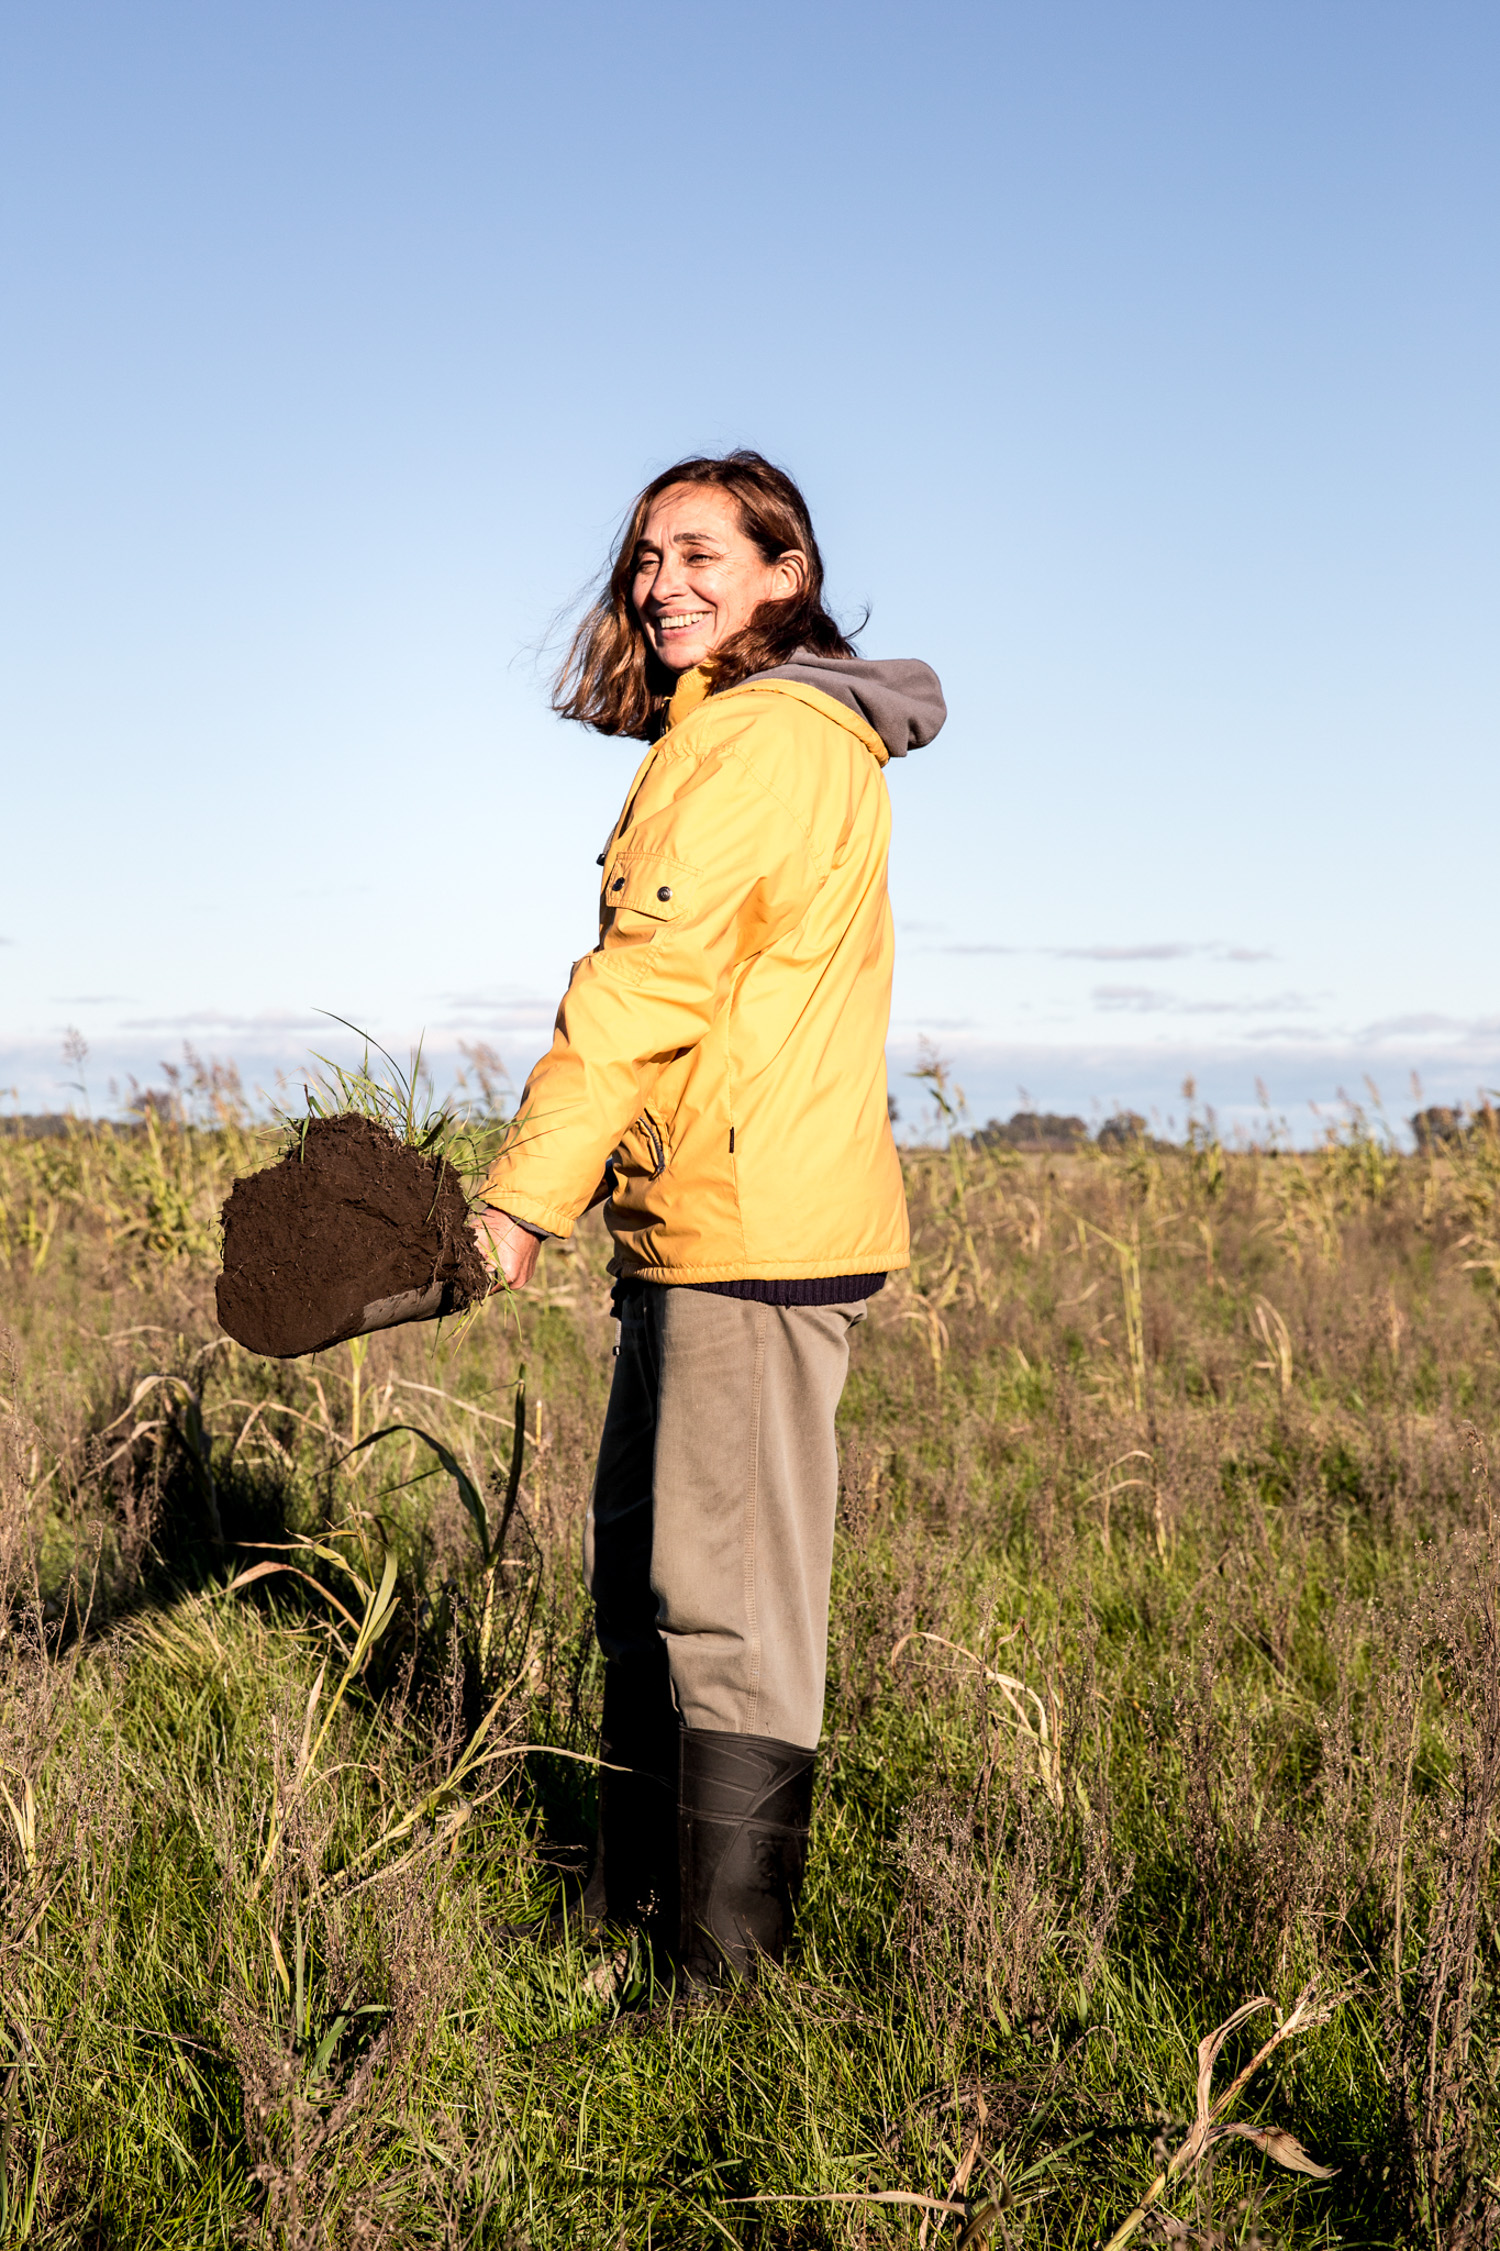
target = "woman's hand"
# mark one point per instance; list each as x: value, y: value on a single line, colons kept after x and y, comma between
x: 513, y: 1248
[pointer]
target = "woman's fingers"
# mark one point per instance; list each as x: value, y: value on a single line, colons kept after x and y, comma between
x: 513, y: 1248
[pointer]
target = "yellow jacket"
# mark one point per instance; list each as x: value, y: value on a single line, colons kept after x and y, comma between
x: 724, y: 1043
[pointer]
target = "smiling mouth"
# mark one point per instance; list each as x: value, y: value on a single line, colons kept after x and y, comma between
x: 683, y: 621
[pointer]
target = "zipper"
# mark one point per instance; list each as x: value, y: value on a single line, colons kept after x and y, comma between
x: 650, y: 1132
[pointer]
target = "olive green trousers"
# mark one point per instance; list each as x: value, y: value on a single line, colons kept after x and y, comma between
x: 709, y: 1544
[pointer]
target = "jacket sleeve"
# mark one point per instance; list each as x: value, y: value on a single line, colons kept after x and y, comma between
x: 713, y: 867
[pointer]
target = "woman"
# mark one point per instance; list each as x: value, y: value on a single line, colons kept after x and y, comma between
x: 718, y: 1074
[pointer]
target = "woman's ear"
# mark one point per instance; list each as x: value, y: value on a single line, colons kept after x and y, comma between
x: 789, y: 573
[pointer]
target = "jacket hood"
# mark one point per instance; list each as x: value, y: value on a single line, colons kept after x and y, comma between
x: 898, y: 696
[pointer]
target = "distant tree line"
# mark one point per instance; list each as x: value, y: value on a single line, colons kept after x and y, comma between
x: 1438, y: 1128
x: 1046, y: 1132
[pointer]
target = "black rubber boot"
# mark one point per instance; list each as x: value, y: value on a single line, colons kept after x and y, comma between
x: 745, y: 1806
x: 633, y: 1882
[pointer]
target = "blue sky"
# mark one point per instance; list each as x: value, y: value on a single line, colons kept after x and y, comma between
x: 1140, y: 365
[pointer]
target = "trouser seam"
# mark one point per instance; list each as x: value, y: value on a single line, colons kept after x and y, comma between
x: 752, y: 1522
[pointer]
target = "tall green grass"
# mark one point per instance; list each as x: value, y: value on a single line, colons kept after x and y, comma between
x: 1164, y: 1680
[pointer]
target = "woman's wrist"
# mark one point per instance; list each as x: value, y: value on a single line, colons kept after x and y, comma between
x: 493, y: 1212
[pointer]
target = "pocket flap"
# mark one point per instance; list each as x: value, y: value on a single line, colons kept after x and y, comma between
x: 647, y: 883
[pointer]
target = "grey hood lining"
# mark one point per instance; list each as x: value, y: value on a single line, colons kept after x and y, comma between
x: 899, y: 697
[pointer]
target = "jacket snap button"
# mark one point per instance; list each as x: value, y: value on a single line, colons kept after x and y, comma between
x: 665, y: 892
x: 618, y: 884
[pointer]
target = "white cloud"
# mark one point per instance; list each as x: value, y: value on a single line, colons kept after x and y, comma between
x: 1426, y: 1024
x: 1158, y: 949
x: 471, y: 1012
x: 214, y: 1020
x: 1148, y: 1000
x: 1168, y: 949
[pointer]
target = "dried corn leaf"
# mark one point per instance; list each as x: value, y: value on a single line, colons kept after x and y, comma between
x: 1277, y: 2143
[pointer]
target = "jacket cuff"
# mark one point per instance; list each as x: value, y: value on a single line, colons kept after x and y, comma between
x: 528, y: 1212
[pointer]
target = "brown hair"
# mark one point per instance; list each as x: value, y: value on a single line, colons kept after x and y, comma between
x: 611, y: 679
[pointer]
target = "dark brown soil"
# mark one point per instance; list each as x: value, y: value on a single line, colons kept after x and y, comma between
x: 355, y: 1217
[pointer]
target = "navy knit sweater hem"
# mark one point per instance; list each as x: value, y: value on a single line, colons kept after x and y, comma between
x: 822, y: 1289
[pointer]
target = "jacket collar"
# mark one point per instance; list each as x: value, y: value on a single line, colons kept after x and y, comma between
x: 690, y: 691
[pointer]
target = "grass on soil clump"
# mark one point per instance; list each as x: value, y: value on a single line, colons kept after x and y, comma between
x: 464, y: 1128
x: 1165, y: 1680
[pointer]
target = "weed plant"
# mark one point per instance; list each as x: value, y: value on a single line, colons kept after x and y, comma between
x: 465, y: 1132
x: 1153, y: 1849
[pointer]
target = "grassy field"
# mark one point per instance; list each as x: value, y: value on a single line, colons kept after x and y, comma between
x: 1165, y: 1681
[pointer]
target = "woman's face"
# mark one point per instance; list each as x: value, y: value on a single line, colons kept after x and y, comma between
x: 697, y: 578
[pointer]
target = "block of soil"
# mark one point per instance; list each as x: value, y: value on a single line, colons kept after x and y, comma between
x: 354, y: 1232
